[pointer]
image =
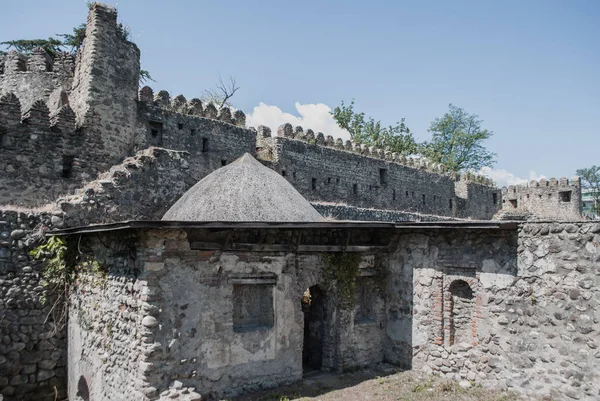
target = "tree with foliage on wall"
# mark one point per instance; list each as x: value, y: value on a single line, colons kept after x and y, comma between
x: 590, y: 181
x: 457, y: 141
x: 52, y: 46
x: 369, y: 131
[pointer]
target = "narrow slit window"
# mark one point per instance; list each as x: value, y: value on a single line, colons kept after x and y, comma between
x: 495, y: 198
x: 193, y: 131
x: 156, y: 131
x: 354, y: 189
x: 313, y: 183
x: 204, y: 144
x: 67, y: 166
x: 383, y: 176
x: 179, y: 126
x: 283, y: 173
x: 450, y: 204
x: 393, y: 194
x: 223, y: 162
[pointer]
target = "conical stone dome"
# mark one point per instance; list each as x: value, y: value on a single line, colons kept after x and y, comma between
x: 245, y: 190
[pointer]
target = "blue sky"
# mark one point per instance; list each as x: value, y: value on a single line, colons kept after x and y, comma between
x: 529, y: 69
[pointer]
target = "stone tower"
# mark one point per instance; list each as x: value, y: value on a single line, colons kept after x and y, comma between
x: 106, y: 81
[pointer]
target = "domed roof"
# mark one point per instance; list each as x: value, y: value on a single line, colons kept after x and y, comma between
x: 244, y: 190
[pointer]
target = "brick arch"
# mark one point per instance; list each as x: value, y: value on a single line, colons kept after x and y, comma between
x: 461, y: 311
x: 452, y: 280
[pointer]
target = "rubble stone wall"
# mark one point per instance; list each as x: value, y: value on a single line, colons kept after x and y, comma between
x: 36, y: 77
x: 107, y: 341
x: 171, y: 336
x: 545, y: 199
x: 32, y: 344
x: 535, y: 315
x: 331, y: 174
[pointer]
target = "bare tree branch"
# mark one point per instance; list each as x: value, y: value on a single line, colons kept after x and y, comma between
x: 227, y: 90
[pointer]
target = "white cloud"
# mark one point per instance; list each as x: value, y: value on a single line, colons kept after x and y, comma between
x: 310, y: 116
x: 504, y: 178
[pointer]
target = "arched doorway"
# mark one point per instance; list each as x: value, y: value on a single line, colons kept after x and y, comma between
x: 313, y: 307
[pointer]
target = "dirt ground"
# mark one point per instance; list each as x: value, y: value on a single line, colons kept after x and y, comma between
x: 380, y: 384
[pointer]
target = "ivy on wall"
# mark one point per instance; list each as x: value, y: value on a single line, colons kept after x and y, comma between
x: 341, y: 270
x: 61, y: 271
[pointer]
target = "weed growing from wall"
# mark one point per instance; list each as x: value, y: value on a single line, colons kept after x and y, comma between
x: 61, y: 270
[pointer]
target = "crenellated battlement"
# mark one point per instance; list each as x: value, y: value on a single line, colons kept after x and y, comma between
x: 38, y: 62
x: 63, y: 121
x: 37, y: 117
x: 35, y: 77
x: 193, y: 107
x: 320, y: 139
x: 543, y: 184
x: 325, y: 169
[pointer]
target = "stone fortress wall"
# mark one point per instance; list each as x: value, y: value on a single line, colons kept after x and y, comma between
x: 325, y: 170
x: 545, y: 199
x: 37, y: 77
x: 64, y: 121
x: 66, y: 125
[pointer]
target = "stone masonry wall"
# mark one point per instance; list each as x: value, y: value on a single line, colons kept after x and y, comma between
x: 331, y: 172
x: 36, y: 77
x: 546, y: 199
x: 475, y: 200
x: 211, y: 143
x: 107, y: 342
x: 104, y: 93
x: 142, y: 187
x: 535, y: 317
x: 187, y: 334
x: 43, y: 155
x: 32, y: 345
x: 33, y: 351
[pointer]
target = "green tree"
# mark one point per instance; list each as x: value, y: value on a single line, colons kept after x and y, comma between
x: 590, y: 181
x: 372, y: 132
x: 27, y: 46
x: 74, y: 40
x: 457, y: 141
